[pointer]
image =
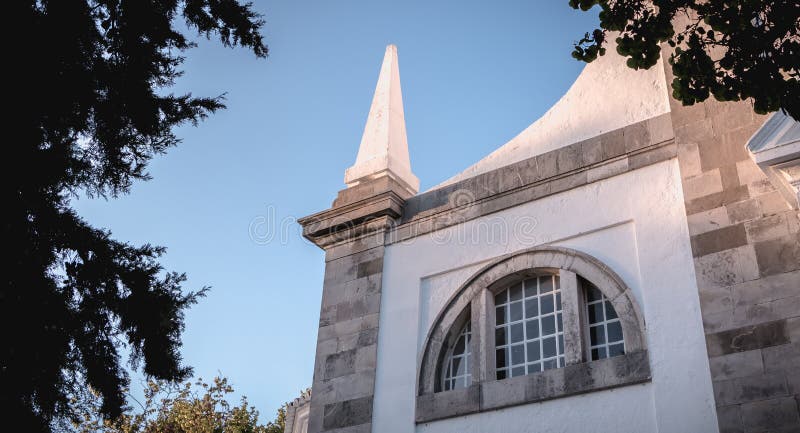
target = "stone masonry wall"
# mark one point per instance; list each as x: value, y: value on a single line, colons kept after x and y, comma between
x: 746, y: 246
x: 344, y: 370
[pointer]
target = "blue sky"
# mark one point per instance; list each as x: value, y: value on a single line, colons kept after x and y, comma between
x: 474, y: 74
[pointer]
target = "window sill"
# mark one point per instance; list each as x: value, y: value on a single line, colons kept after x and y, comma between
x: 575, y: 379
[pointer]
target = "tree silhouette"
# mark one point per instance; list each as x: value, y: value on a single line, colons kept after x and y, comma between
x: 89, y: 107
x: 732, y: 49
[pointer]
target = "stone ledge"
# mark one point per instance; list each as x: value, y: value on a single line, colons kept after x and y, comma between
x: 569, y: 167
x: 628, y: 369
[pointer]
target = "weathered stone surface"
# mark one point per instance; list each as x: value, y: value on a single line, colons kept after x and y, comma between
x: 734, y: 365
x: 727, y: 267
x: 347, y: 413
x: 771, y: 227
x: 707, y: 221
x: 778, y: 255
x: 747, y: 338
x: 751, y: 388
x: 702, y: 185
x: 772, y: 203
x: 730, y: 419
x: 785, y: 357
x: 718, y: 199
x: 719, y: 240
x: 779, y: 413
x: 770, y: 288
x: 744, y: 211
x: 448, y: 404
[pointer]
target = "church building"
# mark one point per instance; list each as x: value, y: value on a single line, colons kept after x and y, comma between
x: 624, y: 264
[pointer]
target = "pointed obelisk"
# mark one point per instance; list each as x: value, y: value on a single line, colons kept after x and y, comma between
x: 384, y: 146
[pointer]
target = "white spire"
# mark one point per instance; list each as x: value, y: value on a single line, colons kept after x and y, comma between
x: 384, y: 146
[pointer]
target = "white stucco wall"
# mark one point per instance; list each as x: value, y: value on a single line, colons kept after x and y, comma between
x: 635, y: 224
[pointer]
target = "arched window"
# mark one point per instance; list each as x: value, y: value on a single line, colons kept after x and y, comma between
x: 517, y: 322
x: 456, y: 368
x: 529, y: 330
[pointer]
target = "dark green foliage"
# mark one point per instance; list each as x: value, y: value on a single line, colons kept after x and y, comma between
x: 88, y: 108
x: 732, y: 49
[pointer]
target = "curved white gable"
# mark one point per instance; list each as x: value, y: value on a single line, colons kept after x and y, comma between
x: 607, y: 95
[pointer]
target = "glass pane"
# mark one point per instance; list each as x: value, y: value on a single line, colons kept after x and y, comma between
x: 596, y: 313
x: 549, y: 364
x: 532, y: 329
x: 549, y: 347
x: 558, y: 301
x: 597, y: 335
x: 516, y: 311
x: 518, y: 354
x: 534, y: 368
x: 533, y: 351
x: 530, y: 288
x: 592, y: 294
x: 614, y: 332
x: 547, y: 304
x: 610, y: 312
x: 546, y: 284
x: 458, y: 348
x: 500, y: 315
x: 598, y: 353
x: 557, y: 280
x: 516, y: 292
x: 616, y: 349
x: 500, y: 358
x: 561, y: 344
x: 531, y: 308
x: 447, y: 385
x: 560, y: 322
x: 516, y: 333
x: 458, y: 366
x: 501, y: 297
x: 500, y: 335
x: 501, y: 374
x: 518, y: 371
x: 548, y: 325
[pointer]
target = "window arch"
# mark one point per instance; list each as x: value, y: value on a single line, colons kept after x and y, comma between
x: 532, y: 313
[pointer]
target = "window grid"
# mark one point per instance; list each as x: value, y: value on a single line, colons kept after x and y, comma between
x: 457, y: 372
x: 529, y: 334
x: 605, y: 328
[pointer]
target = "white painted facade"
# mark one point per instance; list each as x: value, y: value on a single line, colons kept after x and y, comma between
x: 635, y: 224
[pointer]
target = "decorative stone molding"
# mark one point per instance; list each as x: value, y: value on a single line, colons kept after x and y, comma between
x: 473, y: 299
x: 297, y: 414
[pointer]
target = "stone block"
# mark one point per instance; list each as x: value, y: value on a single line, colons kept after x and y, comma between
x: 749, y: 172
x: 636, y: 136
x: 340, y: 364
x: 547, y: 165
x: 730, y: 419
x: 727, y: 267
x: 751, y: 388
x: 568, y: 182
x: 778, y: 255
x: 707, y: 221
x: 716, y: 152
x: 744, y: 210
x: 702, y: 185
x: 592, y: 150
x: 767, y: 311
x: 347, y: 413
x: 712, y: 201
x: 502, y: 393
x: 717, y: 321
x: 766, y: 415
x: 689, y: 159
x: 773, y: 203
x: 718, y: 240
x: 660, y: 129
x: 771, y: 227
x: 569, y: 158
x: 747, y: 338
x: 370, y: 267
x: 771, y: 288
x: 613, y: 144
x: 715, y: 299
x: 735, y: 365
x: 785, y: 357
